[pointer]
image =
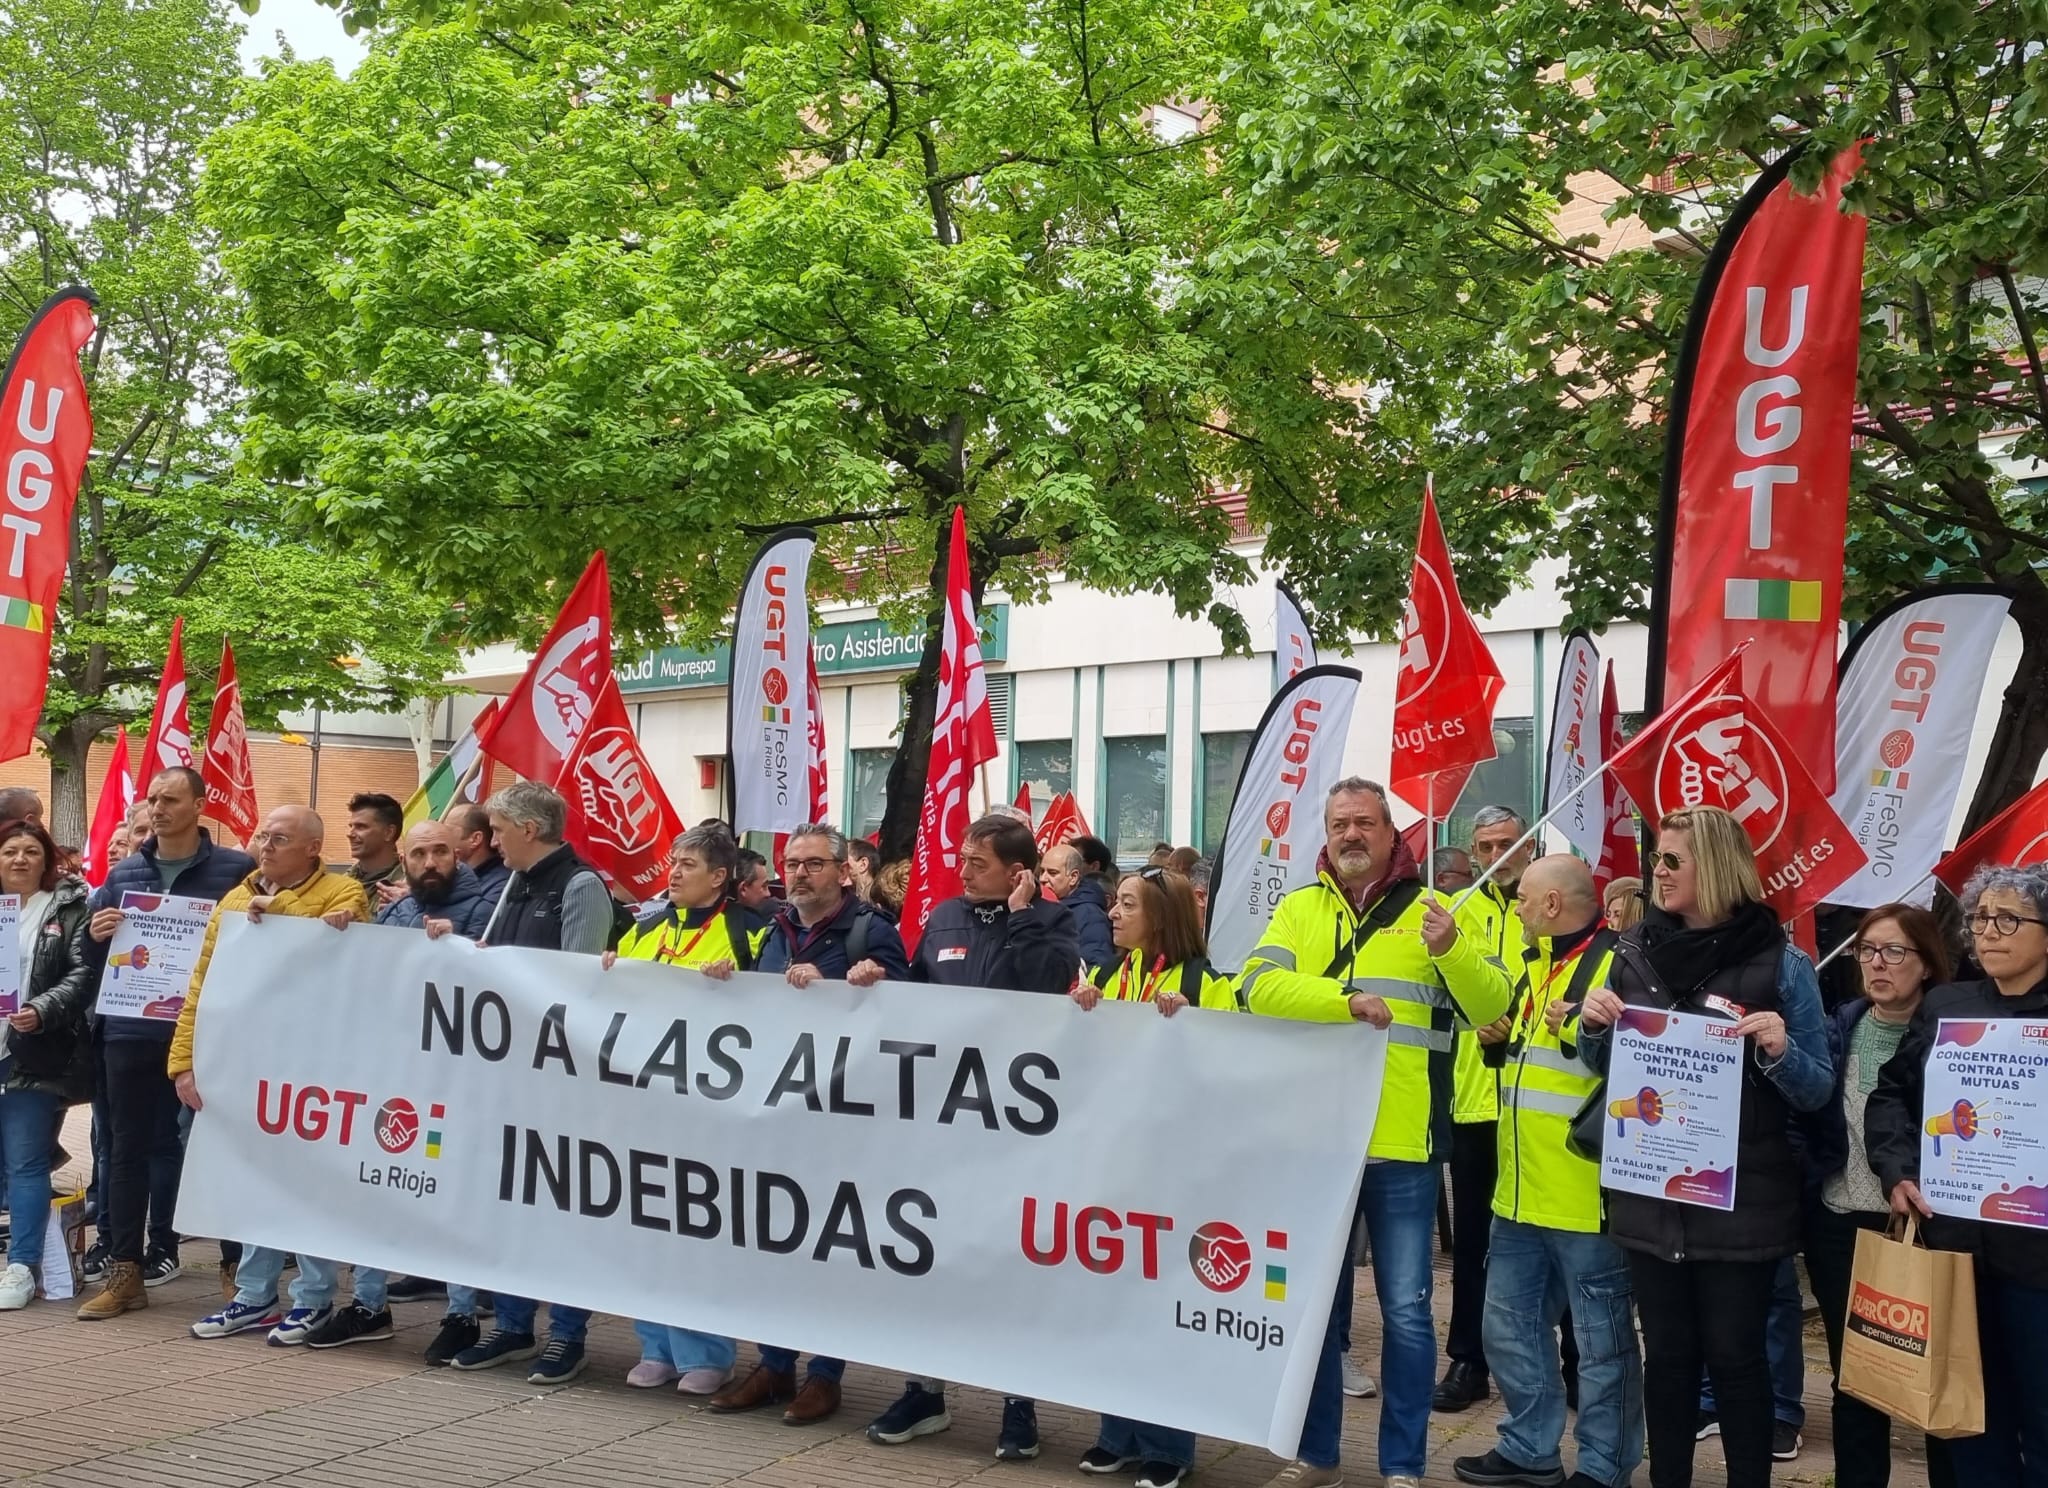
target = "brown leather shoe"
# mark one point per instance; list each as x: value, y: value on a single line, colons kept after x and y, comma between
x: 818, y: 1399
x: 122, y: 1293
x: 762, y: 1386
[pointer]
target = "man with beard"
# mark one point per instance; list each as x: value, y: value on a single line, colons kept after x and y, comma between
x: 442, y: 897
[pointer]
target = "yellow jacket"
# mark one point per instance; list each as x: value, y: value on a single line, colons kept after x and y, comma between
x: 321, y: 894
x: 668, y: 939
x: 1128, y: 981
x: 1476, y: 1096
x: 1290, y: 975
x: 1543, y: 1180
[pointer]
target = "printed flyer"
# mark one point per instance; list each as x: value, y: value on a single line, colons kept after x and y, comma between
x: 152, y: 956
x: 1674, y: 1094
x: 1984, y: 1131
x: 10, y: 955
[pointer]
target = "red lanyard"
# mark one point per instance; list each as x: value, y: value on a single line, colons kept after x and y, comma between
x: 1558, y: 969
x: 1147, y: 989
x: 682, y: 956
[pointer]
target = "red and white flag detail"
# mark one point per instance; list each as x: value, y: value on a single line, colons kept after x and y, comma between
x: 117, y: 798
x: 169, y: 741
x: 2016, y: 837
x: 543, y: 720
x: 620, y: 820
x: 45, y: 437
x: 1718, y: 747
x: 821, y: 805
x: 768, y: 735
x: 1445, y: 685
x: 230, y: 775
x: 963, y: 735
x: 1063, y: 822
x: 1621, y: 853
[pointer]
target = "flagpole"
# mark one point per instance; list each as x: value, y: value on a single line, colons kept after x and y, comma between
x: 1429, y: 833
x: 1530, y: 836
x: 1905, y: 898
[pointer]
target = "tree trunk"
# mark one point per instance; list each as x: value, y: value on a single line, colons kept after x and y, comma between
x: 2021, y: 739
x: 69, y: 748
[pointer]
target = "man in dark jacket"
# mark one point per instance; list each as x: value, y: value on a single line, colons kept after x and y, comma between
x: 474, y: 846
x: 1064, y: 874
x: 1000, y: 933
x: 134, y: 1098
x: 443, y: 893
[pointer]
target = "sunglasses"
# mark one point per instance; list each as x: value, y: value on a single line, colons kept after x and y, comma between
x: 1669, y: 861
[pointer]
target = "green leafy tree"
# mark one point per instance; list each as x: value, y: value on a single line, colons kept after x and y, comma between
x: 103, y: 113
x: 1419, y: 174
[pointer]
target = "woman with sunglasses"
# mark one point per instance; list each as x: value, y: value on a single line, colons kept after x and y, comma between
x: 1899, y: 955
x: 2006, y: 912
x: 1703, y: 1277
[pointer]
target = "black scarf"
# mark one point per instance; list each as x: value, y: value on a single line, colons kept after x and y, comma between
x: 1685, y: 960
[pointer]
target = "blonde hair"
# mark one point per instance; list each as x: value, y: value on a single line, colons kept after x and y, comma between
x: 1725, y: 864
x: 1631, y: 913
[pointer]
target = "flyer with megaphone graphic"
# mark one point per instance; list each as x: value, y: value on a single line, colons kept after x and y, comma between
x: 1984, y: 1124
x: 1674, y: 1094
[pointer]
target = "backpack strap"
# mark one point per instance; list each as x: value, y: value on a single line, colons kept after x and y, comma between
x: 736, y: 933
x: 858, y: 937
x: 1603, y: 940
x: 1391, y: 906
x: 1193, y: 973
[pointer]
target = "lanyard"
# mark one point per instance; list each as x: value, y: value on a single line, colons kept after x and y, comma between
x: 1148, y: 986
x: 1557, y: 970
x: 682, y: 957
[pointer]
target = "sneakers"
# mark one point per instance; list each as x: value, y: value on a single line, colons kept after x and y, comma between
x: 457, y: 1333
x: 238, y: 1317
x: 1302, y: 1475
x: 296, y: 1326
x: 354, y: 1323
x: 158, y: 1267
x: 17, y: 1288
x: 92, y: 1266
x: 1492, y: 1467
x: 1160, y: 1475
x: 1357, y: 1383
x: 1710, y: 1425
x: 650, y: 1374
x: 916, y: 1412
x: 122, y: 1293
x: 705, y: 1381
x: 499, y: 1346
x: 1785, y: 1441
x: 561, y: 1361
x: 417, y: 1289
x: 1019, y: 1439
x: 1101, y: 1462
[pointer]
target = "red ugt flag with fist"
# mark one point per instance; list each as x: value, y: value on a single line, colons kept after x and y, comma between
x: 1446, y: 684
x: 619, y: 816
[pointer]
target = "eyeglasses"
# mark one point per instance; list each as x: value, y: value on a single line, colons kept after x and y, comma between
x: 809, y: 865
x: 1669, y: 861
x: 1153, y: 875
x: 1870, y: 953
x: 2004, y: 921
x: 272, y: 839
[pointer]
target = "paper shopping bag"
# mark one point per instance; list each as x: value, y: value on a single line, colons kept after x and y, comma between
x: 1909, y: 1346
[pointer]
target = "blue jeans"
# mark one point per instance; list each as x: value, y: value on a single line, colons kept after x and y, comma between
x: 1135, y: 1439
x: 516, y: 1315
x: 2013, y: 1451
x: 256, y: 1278
x: 1532, y: 1275
x: 1399, y: 1203
x: 373, y: 1290
x: 1785, y: 1347
x: 783, y: 1361
x: 684, y: 1349
x: 28, y: 1133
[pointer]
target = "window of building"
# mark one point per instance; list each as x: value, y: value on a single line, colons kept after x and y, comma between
x: 1513, y: 777
x: 1134, y: 777
x: 867, y: 799
x: 1046, y: 767
x: 1222, y: 762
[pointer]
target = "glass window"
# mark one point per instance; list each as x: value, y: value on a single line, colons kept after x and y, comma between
x: 865, y: 803
x: 1513, y: 777
x: 1047, y: 767
x: 1134, y: 772
x: 1222, y: 762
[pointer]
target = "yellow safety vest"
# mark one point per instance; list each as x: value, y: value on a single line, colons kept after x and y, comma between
x: 1477, y: 1094
x: 674, y: 943
x: 1303, y: 968
x: 1133, y: 980
x: 1542, y: 1086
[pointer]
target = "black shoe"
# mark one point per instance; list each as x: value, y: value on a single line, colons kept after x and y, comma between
x: 1102, y: 1462
x: 158, y: 1267
x: 499, y: 1346
x: 1571, y: 1391
x: 1160, y: 1475
x: 1785, y: 1441
x: 457, y: 1333
x: 417, y: 1289
x: 1019, y: 1440
x: 1585, y: 1480
x: 1710, y: 1425
x: 92, y: 1269
x: 916, y: 1412
x: 1462, y: 1387
x: 354, y: 1323
x: 1494, y: 1468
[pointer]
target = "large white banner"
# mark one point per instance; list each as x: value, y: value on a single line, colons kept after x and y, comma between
x: 990, y: 1187
x: 1275, y: 829
x: 1576, y: 749
x: 1294, y: 649
x: 1910, y: 684
x: 768, y: 710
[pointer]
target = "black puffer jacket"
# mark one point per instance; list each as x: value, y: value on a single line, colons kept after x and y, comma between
x: 56, y: 1060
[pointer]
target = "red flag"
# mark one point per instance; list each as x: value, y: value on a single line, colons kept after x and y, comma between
x: 117, y: 796
x: 1023, y: 801
x: 1056, y: 821
x: 45, y: 437
x: 963, y: 735
x: 169, y: 740
x: 619, y: 818
x: 2015, y: 837
x: 1621, y: 854
x: 230, y: 777
x: 1446, y: 683
x: 1718, y: 747
x: 1416, y: 835
x: 538, y: 728
x: 1756, y: 476
x: 820, y: 806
